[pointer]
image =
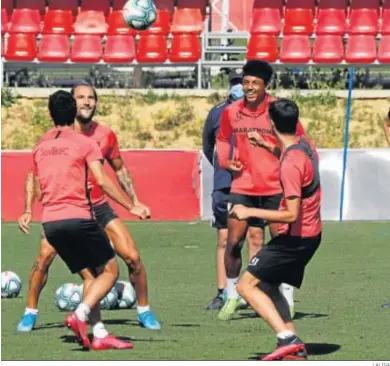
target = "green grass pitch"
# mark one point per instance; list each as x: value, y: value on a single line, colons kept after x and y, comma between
x: 339, y: 312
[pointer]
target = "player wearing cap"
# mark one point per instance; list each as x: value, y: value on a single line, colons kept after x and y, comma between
x: 255, y: 171
x: 285, y: 257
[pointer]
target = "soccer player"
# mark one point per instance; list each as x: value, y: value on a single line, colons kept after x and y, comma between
x: 221, y: 189
x: 61, y: 161
x: 298, y: 237
x: 255, y: 171
x: 86, y: 99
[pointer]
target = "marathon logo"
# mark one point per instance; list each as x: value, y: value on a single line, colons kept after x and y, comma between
x: 245, y: 130
x: 55, y: 151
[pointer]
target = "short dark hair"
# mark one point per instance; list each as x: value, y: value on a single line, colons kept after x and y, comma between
x: 62, y: 108
x: 285, y: 115
x: 84, y: 83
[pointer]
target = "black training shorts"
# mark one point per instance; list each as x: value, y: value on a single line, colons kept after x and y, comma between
x: 81, y: 243
x: 220, y: 199
x: 266, y: 202
x: 283, y: 259
x: 104, y: 214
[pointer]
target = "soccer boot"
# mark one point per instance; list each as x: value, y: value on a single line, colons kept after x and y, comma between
x: 27, y: 322
x: 216, y: 303
x: 79, y: 329
x: 110, y: 342
x: 148, y: 320
x: 228, y: 309
x: 291, y: 348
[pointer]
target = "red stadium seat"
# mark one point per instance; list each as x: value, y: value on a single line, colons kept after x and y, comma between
x: 8, y: 5
x: 268, y: 4
x: 262, y: 47
x: 364, y: 17
x: 360, y: 49
x: 266, y: 17
x: 295, y: 49
x: 21, y: 47
x: 187, y: 21
x: 4, y: 21
x: 54, y: 48
x: 118, y: 4
x: 58, y: 21
x: 385, y: 29
x: 299, y: 17
x: 332, y: 17
x: 119, y: 48
x: 162, y: 25
x: 117, y: 25
x: 185, y: 48
x: 86, y: 48
x: 40, y: 5
x: 25, y: 21
x: 165, y: 4
x: 195, y: 4
x: 384, y: 49
x: 96, y: 5
x: 152, y: 48
x: 328, y: 49
x: 72, y: 5
x: 90, y: 22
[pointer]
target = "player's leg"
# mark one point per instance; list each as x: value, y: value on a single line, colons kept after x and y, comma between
x: 255, y: 239
x: 38, y: 279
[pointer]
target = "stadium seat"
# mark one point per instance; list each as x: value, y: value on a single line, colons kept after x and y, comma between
x: 8, y: 5
x: 187, y: 20
x: 385, y: 28
x: 166, y: 4
x: 54, y: 48
x: 72, y: 5
x: 162, y: 25
x: 118, y: 4
x: 360, y: 49
x: 96, y: 5
x: 86, y: 48
x: 90, y: 22
x: 262, y: 47
x: 117, y: 25
x: 58, y: 21
x: 21, y: 47
x: 332, y: 17
x: 25, y: 21
x: 384, y: 49
x: 299, y: 17
x: 152, y: 48
x: 364, y: 17
x: 195, y: 4
x: 295, y: 49
x: 266, y: 17
x: 40, y: 5
x: 4, y: 21
x: 185, y: 48
x: 328, y: 49
x: 119, y: 48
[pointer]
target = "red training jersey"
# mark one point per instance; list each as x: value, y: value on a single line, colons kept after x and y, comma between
x: 260, y: 175
x: 60, y: 162
x: 108, y: 143
x: 296, y: 172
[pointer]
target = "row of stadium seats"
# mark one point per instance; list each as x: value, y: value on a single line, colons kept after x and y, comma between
x: 89, y: 48
x: 330, y: 17
x: 327, y: 49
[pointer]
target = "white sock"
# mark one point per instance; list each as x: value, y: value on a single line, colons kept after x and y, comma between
x: 31, y: 311
x: 231, y: 288
x: 82, y: 312
x: 99, y: 331
x: 285, y: 334
x: 288, y: 293
x: 143, y: 309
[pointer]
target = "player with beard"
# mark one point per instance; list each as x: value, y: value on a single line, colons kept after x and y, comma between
x: 86, y: 100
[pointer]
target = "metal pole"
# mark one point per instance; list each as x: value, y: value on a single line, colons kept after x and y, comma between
x: 351, y: 74
x: 225, y: 20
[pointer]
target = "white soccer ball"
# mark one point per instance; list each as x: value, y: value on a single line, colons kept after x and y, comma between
x: 68, y: 297
x: 139, y: 14
x: 110, y: 300
x: 126, y: 295
x: 11, y: 284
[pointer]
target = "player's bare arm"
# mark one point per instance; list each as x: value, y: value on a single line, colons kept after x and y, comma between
x: 255, y: 139
x: 288, y: 216
x: 31, y: 191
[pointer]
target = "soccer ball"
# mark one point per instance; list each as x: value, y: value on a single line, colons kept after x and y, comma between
x: 126, y: 295
x: 110, y: 300
x: 10, y: 284
x: 68, y: 297
x: 139, y: 14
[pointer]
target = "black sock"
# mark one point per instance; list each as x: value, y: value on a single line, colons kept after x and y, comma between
x: 220, y: 291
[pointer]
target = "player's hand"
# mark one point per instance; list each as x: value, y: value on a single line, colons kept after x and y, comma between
x: 89, y: 187
x: 255, y: 139
x: 24, y: 222
x: 240, y: 212
x: 234, y: 166
x: 143, y: 212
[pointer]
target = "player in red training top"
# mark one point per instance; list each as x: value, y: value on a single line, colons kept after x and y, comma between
x: 285, y: 257
x: 255, y: 171
x: 116, y: 230
x: 61, y: 160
